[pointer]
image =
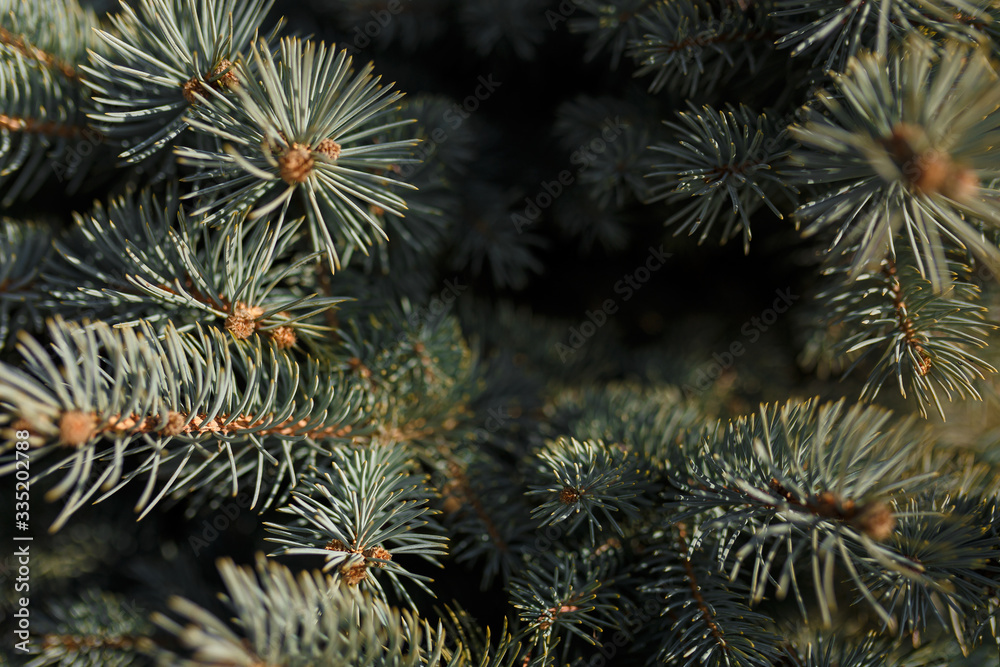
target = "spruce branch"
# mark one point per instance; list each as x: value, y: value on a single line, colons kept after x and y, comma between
x: 296, y: 621
x: 93, y: 627
x: 489, y: 244
x: 433, y: 209
x: 104, y: 395
x: 54, y: 34
x: 412, y: 25
x: 922, y: 338
x: 479, y: 499
x: 169, y: 347
x: 304, y: 122
x: 693, y: 45
x: 707, y: 619
x: 612, y: 25
x: 364, y: 515
x: 161, y: 57
x: 948, y: 579
x: 722, y: 159
x: 780, y: 481
x: 25, y: 249
x: 474, y: 645
x: 155, y: 263
x: 618, y: 174
x: 44, y: 132
x: 904, y: 147
x: 590, y: 481
x: 559, y: 597
x: 16, y: 42
x: 828, y: 650
x: 840, y: 30
x: 515, y: 25
x: 656, y: 423
x: 422, y: 375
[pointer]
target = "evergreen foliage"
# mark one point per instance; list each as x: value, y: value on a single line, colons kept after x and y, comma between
x: 302, y: 367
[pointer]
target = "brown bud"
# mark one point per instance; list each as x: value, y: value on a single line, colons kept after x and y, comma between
x: 228, y: 80
x: 876, y: 520
x: 336, y: 545
x: 21, y: 424
x: 928, y: 170
x: 354, y: 573
x: 377, y: 552
x: 569, y: 495
x: 296, y: 164
x: 451, y: 504
x: 962, y: 184
x: 282, y: 337
x: 175, y: 424
x: 190, y: 87
x: 242, y: 322
x: 329, y: 148
x: 76, y: 428
x: 931, y: 171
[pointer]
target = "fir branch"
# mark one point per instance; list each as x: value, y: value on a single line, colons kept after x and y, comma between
x: 162, y: 56
x: 411, y: 25
x: 479, y: 499
x: 489, y: 244
x: 780, y: 482
x: 904, y: 319
x: 619, y: 174
x: 905, y: 158
x: 96, y: 624
x: 613, y: 25
x: 154, y: 262
x: 24, y: 250
x: 18, y: 43
x: 461, y: 490
x: 43, y: 130
x: 365, y: 515
x: 720, y: 160
x: 106, y: 395
x: 709, y: 621
x: 56, y: 34
x: 514, y: 25
x: 302, y: 123
x: 948, y: 579
x: 299, y: 620
x: 922, y: 338
x: 559, y: 598
x: 691, y: 45
x: 433, y: 209
x: 695, y: 589
x: 841, y: 30
x: 834, y: 651
x: 422, y: 372
x: 656, y: 423
x: 475, y: 647
x: 589, y: 481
